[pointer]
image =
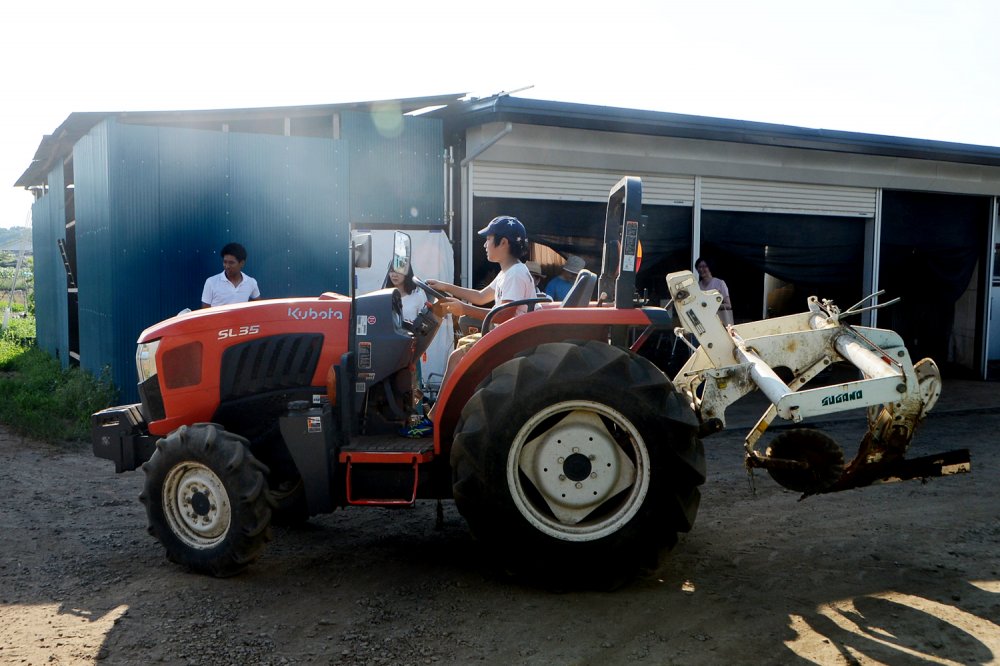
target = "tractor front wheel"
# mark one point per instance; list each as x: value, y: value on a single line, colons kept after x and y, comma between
x: 565, y: 464
x: 206, y: 500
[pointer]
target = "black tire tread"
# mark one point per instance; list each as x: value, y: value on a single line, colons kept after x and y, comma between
x: 551, y: 373
x: 242, y: 474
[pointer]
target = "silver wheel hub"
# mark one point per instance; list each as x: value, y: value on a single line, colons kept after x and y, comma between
x: 590, y: 454
x: 196, y: 505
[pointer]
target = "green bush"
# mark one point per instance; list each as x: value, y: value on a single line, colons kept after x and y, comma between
x: 16, y: 339
x: 44, y: 401
x: 8, y: 352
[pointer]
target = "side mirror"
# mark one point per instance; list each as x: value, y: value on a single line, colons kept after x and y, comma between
x: 361, y: 248
x: 401, y: 253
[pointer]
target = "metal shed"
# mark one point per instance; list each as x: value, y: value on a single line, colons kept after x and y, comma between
x: 134, y: 207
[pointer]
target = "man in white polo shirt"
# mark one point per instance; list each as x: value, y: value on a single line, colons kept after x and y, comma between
x: 231, y: 285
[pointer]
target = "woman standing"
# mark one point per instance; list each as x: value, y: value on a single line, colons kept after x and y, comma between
x: 706, y: 281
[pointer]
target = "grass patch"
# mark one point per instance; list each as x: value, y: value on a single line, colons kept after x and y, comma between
x: 42, y: 400
x: 17, y: 338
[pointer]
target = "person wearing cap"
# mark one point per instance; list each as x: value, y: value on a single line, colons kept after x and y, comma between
x: 560, y: 285
x: 506, y: 243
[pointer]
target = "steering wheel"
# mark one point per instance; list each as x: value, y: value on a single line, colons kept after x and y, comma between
x: 429, y: 290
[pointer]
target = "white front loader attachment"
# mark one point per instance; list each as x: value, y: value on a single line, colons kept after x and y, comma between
x: 730, y: 362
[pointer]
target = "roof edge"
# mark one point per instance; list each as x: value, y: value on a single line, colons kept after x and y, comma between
x: 657, y: 123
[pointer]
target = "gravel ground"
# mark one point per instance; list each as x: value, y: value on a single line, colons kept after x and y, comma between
x: 898, y: 574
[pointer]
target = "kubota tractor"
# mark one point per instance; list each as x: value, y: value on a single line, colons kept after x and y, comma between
x: 569, y: 455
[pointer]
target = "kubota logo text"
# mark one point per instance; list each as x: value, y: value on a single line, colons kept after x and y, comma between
x: 842, y: 397
x: 311, y: 313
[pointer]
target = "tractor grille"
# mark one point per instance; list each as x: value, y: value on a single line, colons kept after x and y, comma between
x: 269, y: 364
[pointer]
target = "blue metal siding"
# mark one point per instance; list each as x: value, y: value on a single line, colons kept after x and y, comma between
x: 57, y: 224
x: 46, y: 289
x: 155, y: 205
x: 288, y: 207
x: 95, y: 255
x: 395, y: 179
x: 48, y: 223
x: 193, y: 221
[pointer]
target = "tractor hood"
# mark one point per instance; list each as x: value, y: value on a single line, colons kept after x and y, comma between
x: 257, y: 318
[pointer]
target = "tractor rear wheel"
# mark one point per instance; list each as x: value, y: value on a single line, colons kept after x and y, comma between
x: 565, y: 464
x: 206, y: 500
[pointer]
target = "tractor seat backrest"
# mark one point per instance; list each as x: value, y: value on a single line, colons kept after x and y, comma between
x: 582, y: 291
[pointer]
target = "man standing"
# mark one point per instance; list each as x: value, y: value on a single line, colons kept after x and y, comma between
x: 231, y: 285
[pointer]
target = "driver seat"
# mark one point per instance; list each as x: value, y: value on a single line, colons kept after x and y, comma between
x: 582, y: 291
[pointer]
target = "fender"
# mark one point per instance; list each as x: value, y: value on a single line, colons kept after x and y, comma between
x: 552, y: 324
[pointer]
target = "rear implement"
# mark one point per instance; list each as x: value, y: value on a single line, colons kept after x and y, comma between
x: 733, y: 361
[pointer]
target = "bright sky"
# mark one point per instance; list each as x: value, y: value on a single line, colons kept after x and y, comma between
x: 916, y: 68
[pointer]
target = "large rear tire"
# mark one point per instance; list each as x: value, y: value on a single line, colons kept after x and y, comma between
x: 206, y: 500
x: 567, y: 468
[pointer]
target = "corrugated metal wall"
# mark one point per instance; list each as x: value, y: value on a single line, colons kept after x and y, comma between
x: 48, y: 226
x: 99, y: 341
x: 289, y: 205
x: 156, y: 204
x: 397, y: 172
x: 521, y: 181
x: 776, y: 197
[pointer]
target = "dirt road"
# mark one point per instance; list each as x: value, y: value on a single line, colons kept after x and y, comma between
x: 899, y: 574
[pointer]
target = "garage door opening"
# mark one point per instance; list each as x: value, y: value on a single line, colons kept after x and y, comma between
x: 772, y: 262
x: 933, y: 249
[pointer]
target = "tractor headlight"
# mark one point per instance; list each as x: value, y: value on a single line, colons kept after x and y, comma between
x: 145, y: 360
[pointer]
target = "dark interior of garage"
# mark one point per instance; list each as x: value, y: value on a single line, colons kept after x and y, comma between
x: 931, y: 246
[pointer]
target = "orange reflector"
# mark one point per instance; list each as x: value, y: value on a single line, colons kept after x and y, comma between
x: 331, y: 385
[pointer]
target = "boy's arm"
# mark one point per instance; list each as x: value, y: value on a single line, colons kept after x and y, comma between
x: 473, y: 296
x: 458, y: 308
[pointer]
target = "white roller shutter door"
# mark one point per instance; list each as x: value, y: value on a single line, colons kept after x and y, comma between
x: 773, y: 197
x: 513, y: 181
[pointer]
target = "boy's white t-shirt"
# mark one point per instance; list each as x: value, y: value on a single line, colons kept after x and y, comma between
x: 514, y: 284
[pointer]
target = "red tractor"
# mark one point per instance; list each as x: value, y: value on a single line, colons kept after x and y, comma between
x: 570, y: 456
